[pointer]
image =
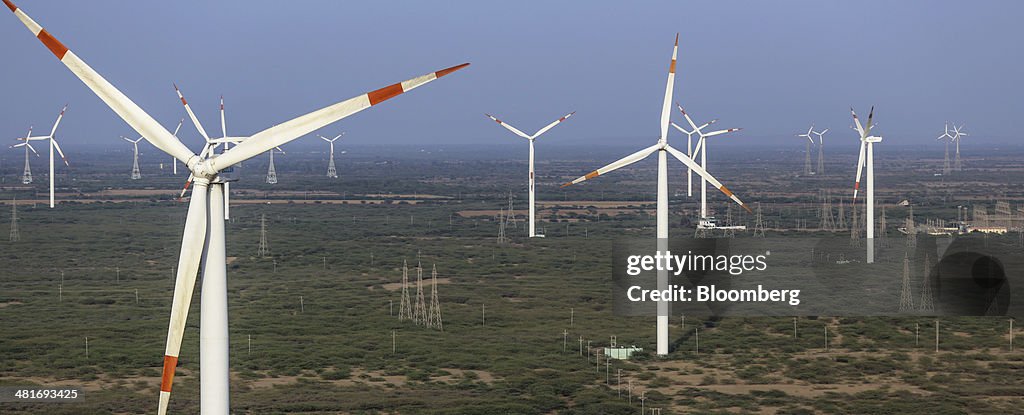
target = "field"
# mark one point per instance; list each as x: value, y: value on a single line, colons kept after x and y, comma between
x: 313, y: 325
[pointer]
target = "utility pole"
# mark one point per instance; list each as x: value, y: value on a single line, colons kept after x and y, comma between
x: 565, y: 338
x: 618, y: 382
x: 936, y: 336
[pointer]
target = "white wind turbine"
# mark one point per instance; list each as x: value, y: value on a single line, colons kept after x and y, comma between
x: 530, y: 138
x: 52, y: 139
x: 867, y: 159
x: 203, y: 240
x: 821, y: 150
x: 949, y: 138
x: 689, y: 147
x: 702, y: 148
x: 332, y: 172
x: 26, y: 174
x: 956, y: 137
x: 211, y: 145
x: 136, y: 174
x: 663, y: 149
x: 807, y: 153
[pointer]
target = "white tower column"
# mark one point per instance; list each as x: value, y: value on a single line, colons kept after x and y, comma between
x: 532, y: 195
x: 689, y: 172
x: 703, y: 182
x: 214, y: 370
x: 51, y: 172
x: 871, y: 202
x: 663, y: 306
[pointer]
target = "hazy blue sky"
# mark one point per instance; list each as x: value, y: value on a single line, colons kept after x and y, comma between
x: 771, y: 67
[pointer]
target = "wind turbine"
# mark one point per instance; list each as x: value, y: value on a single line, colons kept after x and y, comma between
x: 530, y: 138
x: 821, y: 151
x: 956, y: 137
x: 332, y: 172
x: 949, y: 138
x: 663, y: 149
x: 26, y: 175
x: 702, y: 149
x: 136, y: 175
x: 203, y: 240
x: 689, y: 147
x: 867, y: 142
x: 211, y: 145
x: 52, y: 139
x: 807, y: 153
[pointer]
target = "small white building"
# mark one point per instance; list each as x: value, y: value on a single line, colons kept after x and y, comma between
x: 621, y: 353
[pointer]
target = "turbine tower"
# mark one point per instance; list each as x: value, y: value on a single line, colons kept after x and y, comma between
x: 948, y: 138
x: 434, y: 312
x: 419, y: 312
x: 807, y: 153
x: 531, y: 138
x: 203, y: 240
x: 405, y: 305
x: 15, y: 235
x: 663, y: 150
x: 264, y: 249
x: 689, y: 147
x: 956, y: 137
x: 136, y: 175
x: 821, y: 151
x: 271, y: 171
x: 702, y: 149
x: 332, y: 172
x: 867, y: 158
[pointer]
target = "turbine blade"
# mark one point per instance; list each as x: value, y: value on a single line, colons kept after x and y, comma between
x: 509, y: 127
x: 707, y: 176
x: 554, y: 123
x: 185, y: 281
x: 859, y: 128
x: 192, y: 115
x: 223, y: 123
x: 871, y: 115
x: 59, y: 117
x: 300, y: 126
x: 666, y: 105
x: 625, y: 161
x: 138, y: 119
x: 860, y: 168
x: 32, y: 148
x: 680, y: 128
x: 689, y: 120
x: 726, y: 131
x: 178, y: 128
x: 59, y: 151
